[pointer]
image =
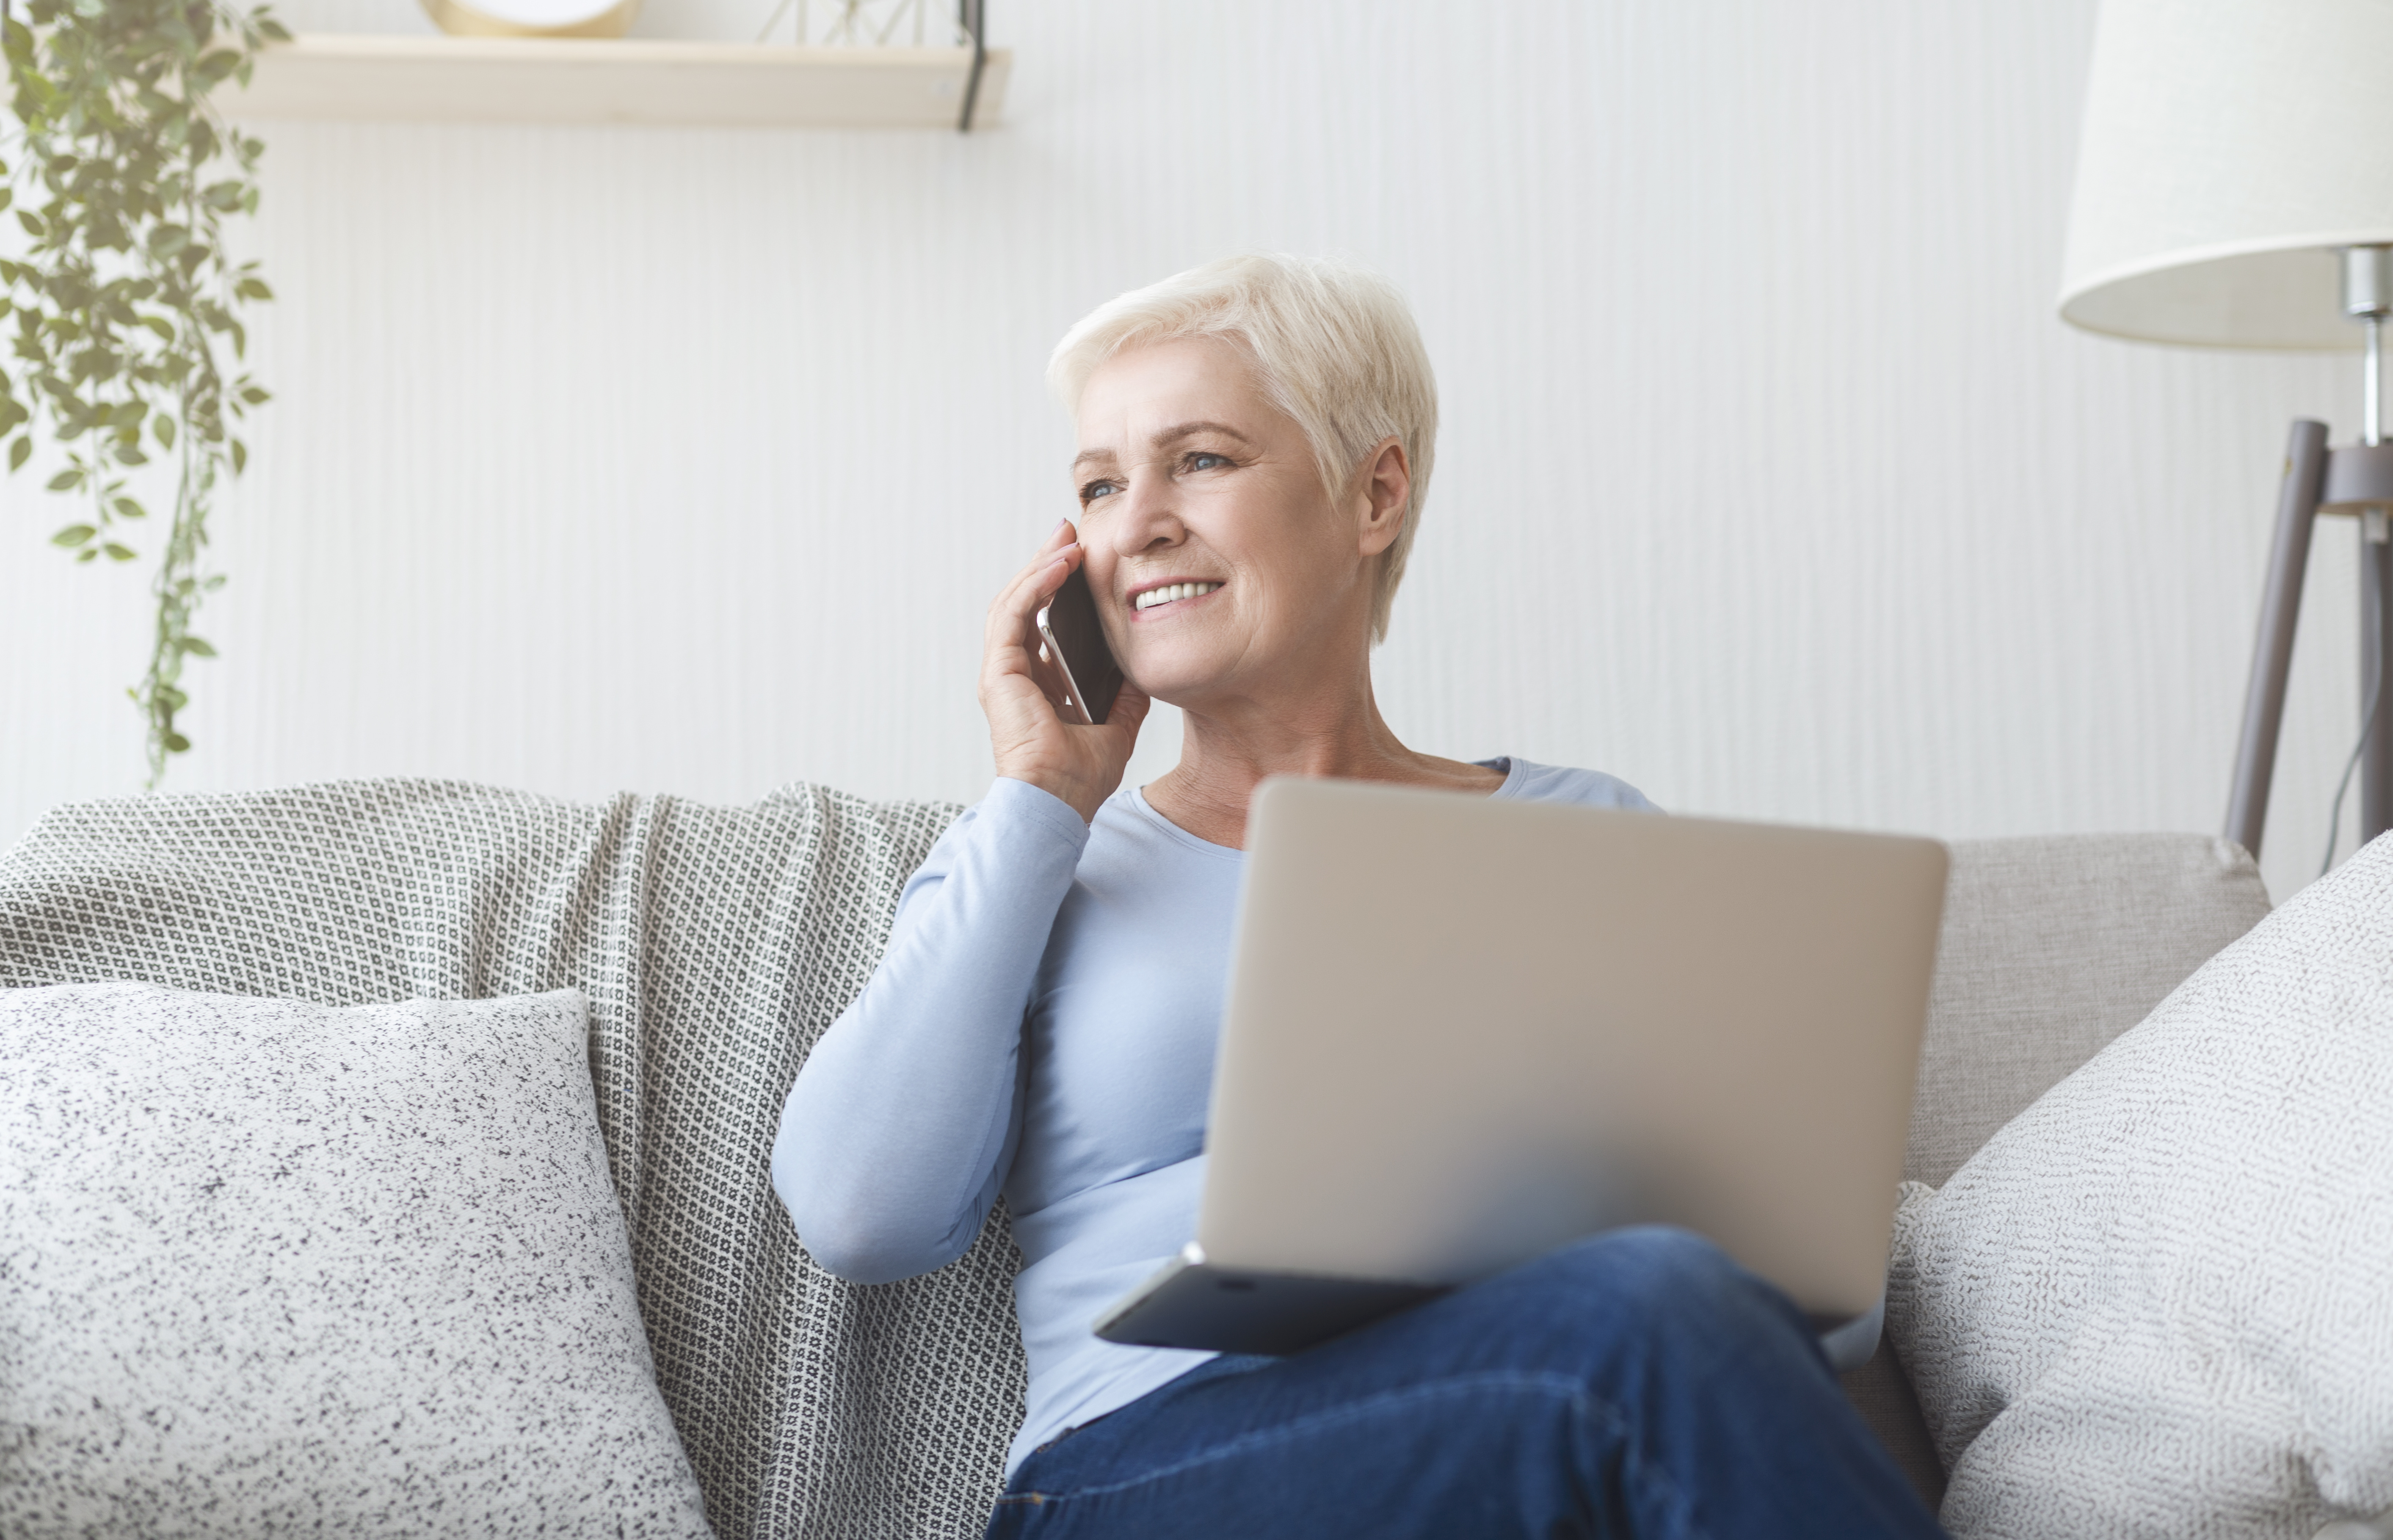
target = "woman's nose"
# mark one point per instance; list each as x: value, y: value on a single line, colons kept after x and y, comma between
x: 1151, y: 517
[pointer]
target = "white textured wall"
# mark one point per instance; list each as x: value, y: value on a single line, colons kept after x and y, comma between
x: 684, y: 460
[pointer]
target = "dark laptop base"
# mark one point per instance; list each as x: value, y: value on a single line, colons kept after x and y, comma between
x: 1191, y: 1303
x: 1194, y: 1304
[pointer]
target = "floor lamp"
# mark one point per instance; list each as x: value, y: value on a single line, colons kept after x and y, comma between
x: 2235, y: 190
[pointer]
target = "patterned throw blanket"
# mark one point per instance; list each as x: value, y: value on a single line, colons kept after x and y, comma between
x: 715, y: 944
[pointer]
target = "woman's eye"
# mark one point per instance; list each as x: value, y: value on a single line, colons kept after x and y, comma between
x: 1096, y: 489
x: 1205, y: 459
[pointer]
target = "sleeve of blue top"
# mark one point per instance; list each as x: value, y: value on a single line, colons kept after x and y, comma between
x: 897, y: 1135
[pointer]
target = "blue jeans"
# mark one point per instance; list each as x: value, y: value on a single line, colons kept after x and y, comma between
x: 1639, y: 1383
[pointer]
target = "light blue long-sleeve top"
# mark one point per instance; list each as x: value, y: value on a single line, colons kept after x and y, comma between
x: 1042, y: 1025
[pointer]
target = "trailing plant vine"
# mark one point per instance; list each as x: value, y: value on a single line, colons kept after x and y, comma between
x: 122, y: 177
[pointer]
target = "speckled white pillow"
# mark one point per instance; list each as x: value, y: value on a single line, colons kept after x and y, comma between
x: 2159, y: 1302
x: 272, y: 1267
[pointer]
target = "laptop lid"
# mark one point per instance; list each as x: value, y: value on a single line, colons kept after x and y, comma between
x: 1461, y: 1031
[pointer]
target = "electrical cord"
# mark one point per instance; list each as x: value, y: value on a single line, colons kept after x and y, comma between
x: 2334, y: 813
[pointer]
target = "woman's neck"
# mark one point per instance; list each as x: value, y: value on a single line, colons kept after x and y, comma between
x: 1224, y: 754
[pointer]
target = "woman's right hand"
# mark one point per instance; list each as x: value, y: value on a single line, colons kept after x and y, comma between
x: 1020, y: 695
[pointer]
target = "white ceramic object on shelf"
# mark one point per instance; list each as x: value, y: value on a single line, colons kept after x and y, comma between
x: 533, y: 17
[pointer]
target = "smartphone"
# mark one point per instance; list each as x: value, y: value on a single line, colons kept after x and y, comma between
x: 1075, y: 644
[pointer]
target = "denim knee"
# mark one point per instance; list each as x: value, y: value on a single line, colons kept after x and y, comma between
x: 1661, y: 1275
x: 1661, y: 1258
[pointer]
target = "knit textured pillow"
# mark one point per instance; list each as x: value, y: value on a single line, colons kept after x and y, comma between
x: 2159, y: 1302
x: 268, y: 1267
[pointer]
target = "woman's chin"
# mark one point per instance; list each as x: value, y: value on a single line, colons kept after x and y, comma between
x: 1195, y: 677
x: 1173, y: 687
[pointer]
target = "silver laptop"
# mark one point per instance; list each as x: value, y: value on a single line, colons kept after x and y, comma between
x: 1463, y: 1031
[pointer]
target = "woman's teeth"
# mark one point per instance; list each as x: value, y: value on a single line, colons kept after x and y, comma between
x: 1164, y: 596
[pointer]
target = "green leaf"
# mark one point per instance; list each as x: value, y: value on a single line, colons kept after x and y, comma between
x: 252, y: 288
x: 126, y: 508
x: 197, y: 647
x: 159, y: 325
x: 272, y: 31
x: 66, y: 481
x: 116, y: 551
x: 91, y: 555
x: 73, y: 535
x: 31, y: 222
x: 175, y: 743
x: 22, y: 450
x: 162, y: 427
x: 239, y: 457
x: 256, y: 395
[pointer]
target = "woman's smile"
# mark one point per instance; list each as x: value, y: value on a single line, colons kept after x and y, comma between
x: 1148, y: 600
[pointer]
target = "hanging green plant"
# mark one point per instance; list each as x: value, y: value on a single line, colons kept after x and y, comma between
x: 122, y: 177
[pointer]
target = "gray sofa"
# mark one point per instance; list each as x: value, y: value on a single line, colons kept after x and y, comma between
x: 715, y: 943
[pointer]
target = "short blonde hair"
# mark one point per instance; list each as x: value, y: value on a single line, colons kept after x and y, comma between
x: 1333, y: 343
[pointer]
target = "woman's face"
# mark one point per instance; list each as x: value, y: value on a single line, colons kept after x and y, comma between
x: 1192, y: 482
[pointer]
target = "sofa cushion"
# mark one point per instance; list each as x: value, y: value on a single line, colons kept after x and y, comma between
x: 714, y: 943
x: 274, y: 1267
x: 2158, y: 1301
x: 2051, y: 948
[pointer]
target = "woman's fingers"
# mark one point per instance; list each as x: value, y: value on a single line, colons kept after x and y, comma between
x: 1011, y: 648
x: 1061, y: 542
x: 1011, y: 665
x: 1016, y: 653
x: 1009, y: 616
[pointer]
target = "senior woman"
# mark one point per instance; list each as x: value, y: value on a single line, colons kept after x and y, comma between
x: 1254, y: 441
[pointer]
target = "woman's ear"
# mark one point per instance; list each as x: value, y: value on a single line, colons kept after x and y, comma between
x: 1386, y: 490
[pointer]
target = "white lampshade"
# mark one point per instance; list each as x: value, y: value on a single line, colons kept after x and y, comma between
x: 2228, y: 147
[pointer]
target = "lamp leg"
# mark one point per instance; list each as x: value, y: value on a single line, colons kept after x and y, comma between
x: 2272, y: 655
x: 2375, y: 643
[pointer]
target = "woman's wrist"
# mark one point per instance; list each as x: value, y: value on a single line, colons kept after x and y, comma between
x: 1021, y: 798
x: 1075, y: 793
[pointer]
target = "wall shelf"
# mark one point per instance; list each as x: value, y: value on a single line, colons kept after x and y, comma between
x: 631, y: 80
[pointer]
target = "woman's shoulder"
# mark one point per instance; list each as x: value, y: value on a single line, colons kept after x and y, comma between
x: 1529, y: 781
